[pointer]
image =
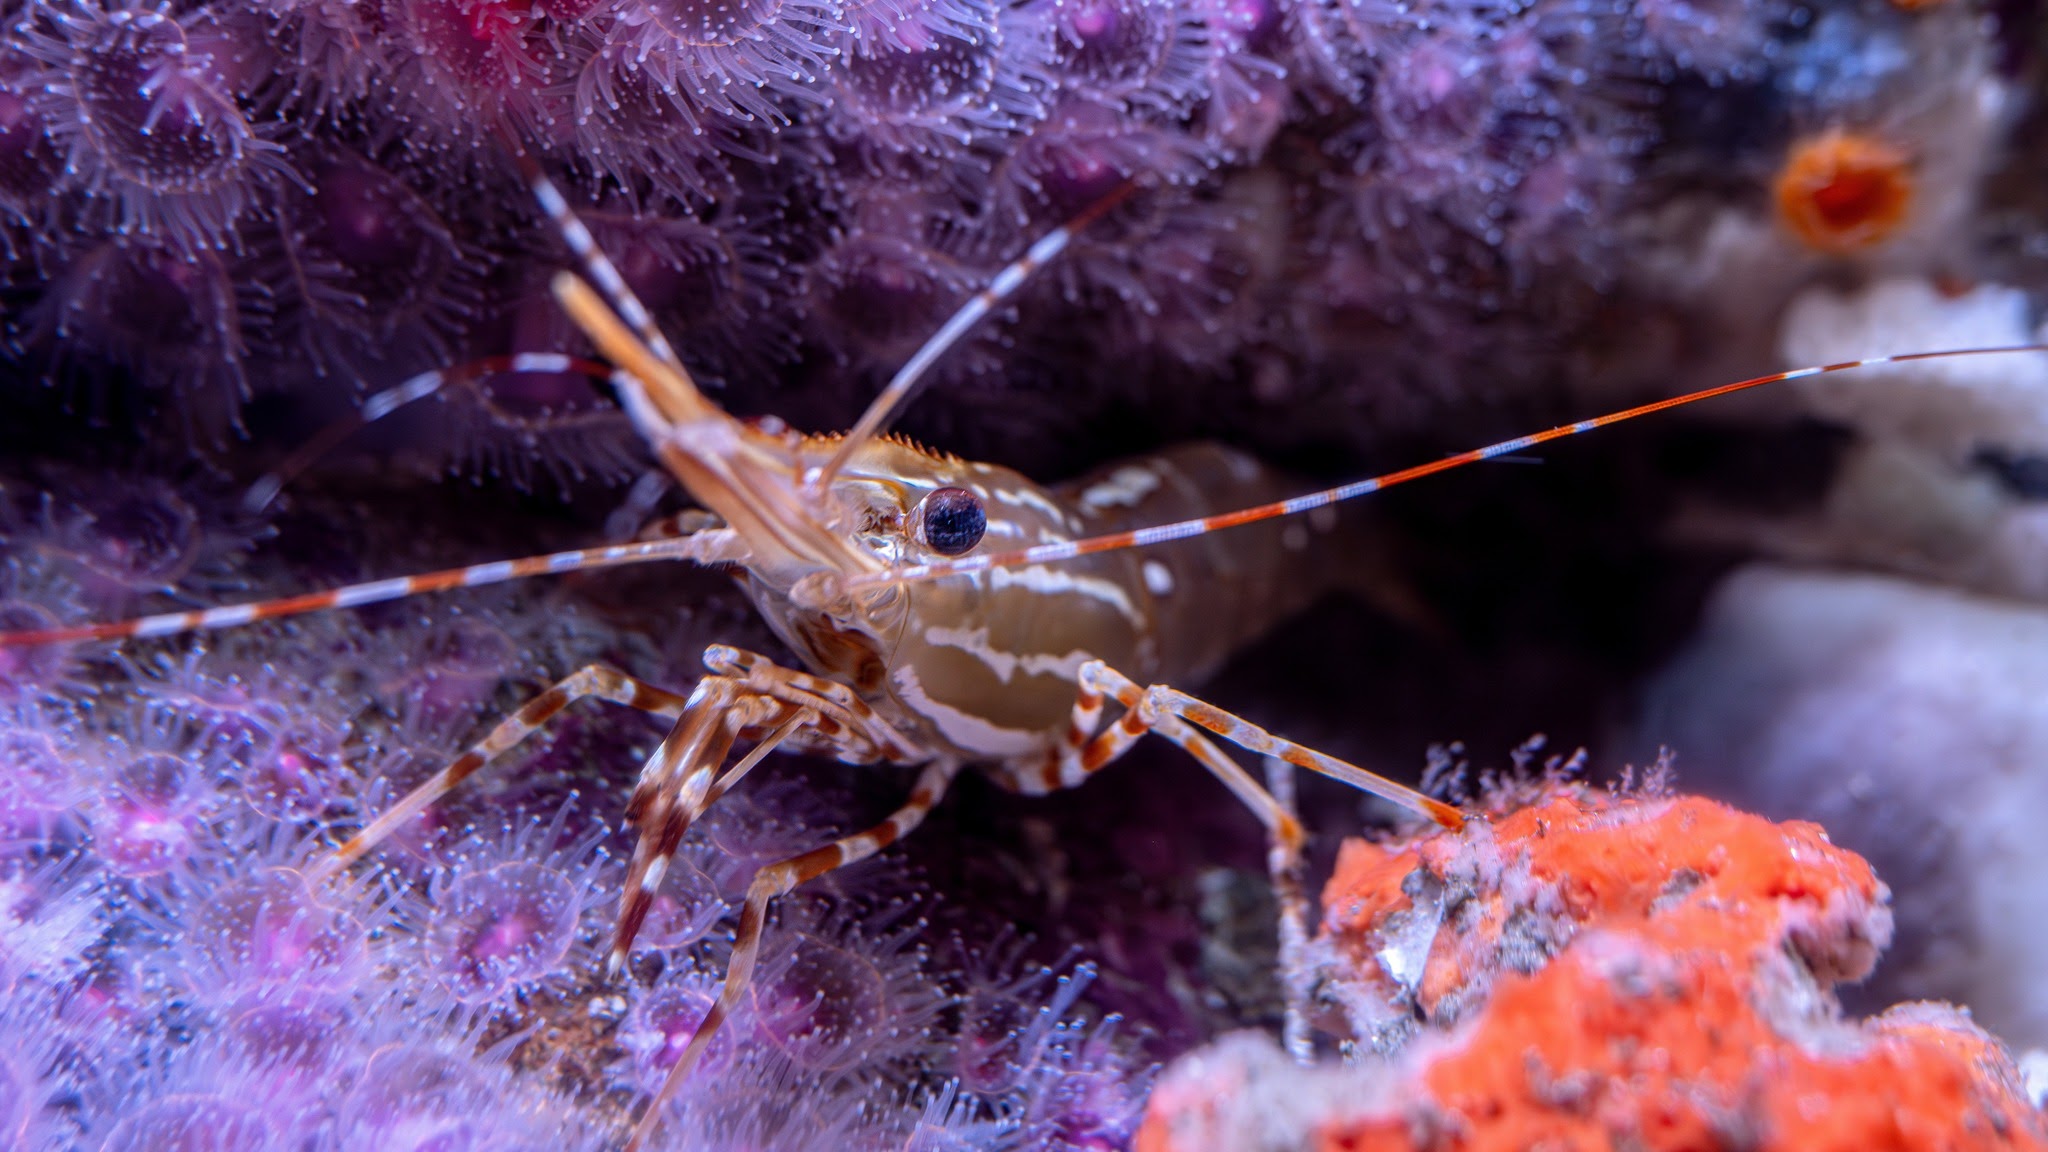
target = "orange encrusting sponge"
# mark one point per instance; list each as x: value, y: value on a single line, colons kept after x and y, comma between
x: 1617, y: 974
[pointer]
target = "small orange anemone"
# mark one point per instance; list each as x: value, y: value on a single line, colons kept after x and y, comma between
x: 1844, y: 191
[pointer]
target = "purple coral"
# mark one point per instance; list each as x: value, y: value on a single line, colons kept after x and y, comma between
x: 497, y: 928
x: 147, y: 110
x: 1080, y: 154
x: 715, y: 285
x: 1138, y: 54
x: 720, y: 59
x: 31, y: 160
x: 661, y: 1023
x: 971, y: 72
x: 850, y: 995
x: 225, y: 992
x: 40, y: 774
x: 119, y: 536
x: 180, y: 320
x: 687, y: 906
x: 152, y: 813
x: 364, y: 261
x: 34, y: 673
x: 250, y: 939
x: 463, y: 62
x: 347, y: 185
x: 630, y: 128
x: 898, y: 269
x: 503, y: 912
x: 1722, y: 41
x: 208, y: 1123
x: 312, y: 198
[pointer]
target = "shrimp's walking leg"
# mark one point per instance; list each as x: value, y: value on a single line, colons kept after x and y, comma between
x: 1145, y: 708
x: 745, y: 695
x: 1173, y: 714
x: 599, y: 680
x: 1079, y: 757
x: 1290, y: 887
x: 777, y: 880
x: 1284, y: 843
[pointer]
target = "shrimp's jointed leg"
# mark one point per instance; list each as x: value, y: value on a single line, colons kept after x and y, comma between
x: 1147, y: 708
x: 745, y: 696
x: 1174, y: 715
x: 776, y: 880
x: 599, y: 680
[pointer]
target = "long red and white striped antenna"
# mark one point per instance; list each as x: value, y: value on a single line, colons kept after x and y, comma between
x: 1308, y: 502
x: 410, y: 391
x: 597, y: 267
x: 716, y: 547
x: 882, y: 409
x: 702, y: 548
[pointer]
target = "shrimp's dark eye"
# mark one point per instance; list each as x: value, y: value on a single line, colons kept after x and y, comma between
x: 953, y: 521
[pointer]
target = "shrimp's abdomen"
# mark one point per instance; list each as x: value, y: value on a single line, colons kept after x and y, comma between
x: 1207, y: 596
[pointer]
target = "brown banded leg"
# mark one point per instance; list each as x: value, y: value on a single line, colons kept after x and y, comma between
x: 675, y: 788
x: 1149, y: 705
x: 831, y: 698
x: 1290, y: 887
x: 1079, y: 757
x: 799, y: 719
x: 1284, y: 867
x: 746, y: 695
x: 777, y: 880
x: 599, y: 680
x: 1169, y: 712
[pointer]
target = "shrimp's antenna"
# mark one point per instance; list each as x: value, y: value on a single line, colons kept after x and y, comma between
x: 1308, y: 502
x: 597, y: 266
x: 714, y: 546
x: 882, y: 409
x: 412, y: 390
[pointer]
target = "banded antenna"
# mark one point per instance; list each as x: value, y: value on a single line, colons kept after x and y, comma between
x: 882, y: 409
x: 720, y: 546
x: 1309, y: 502
x: 411, y: 391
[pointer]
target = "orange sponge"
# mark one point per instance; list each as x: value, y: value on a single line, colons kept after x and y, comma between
x: 1596, y: 973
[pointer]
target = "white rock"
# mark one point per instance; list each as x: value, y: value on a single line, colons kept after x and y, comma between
x: 1950, y: 407
x: 1912, y: 723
